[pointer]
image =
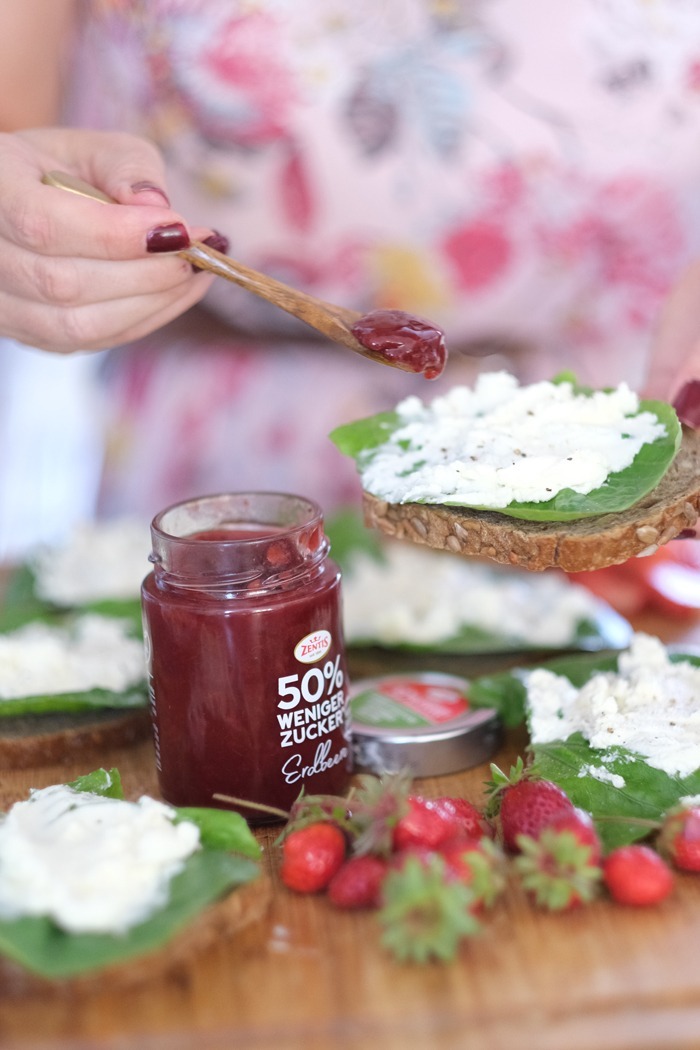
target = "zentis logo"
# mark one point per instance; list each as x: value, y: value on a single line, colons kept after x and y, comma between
x: 313, y: 647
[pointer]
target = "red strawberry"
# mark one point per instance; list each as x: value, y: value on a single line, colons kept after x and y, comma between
x: 637, y: 875
x: 528, y: 806
x: 424, y: 913
x: 559, y: 868
x: 358, y: 882
x: 581, y: 824
x: 679, y: 839
x: 480, y: 865
x: 425, y: 824
x: 311, y: 855
x: 470, y: 820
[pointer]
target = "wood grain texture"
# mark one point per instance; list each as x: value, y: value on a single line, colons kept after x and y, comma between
x: 304, y: 975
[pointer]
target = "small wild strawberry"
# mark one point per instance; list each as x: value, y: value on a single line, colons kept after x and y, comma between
x: 425, y: 824
x: 358, y: 882
x: 559, y: 868
x: 311, y: 855
x: 527, y: 805
x: 425, y: 914
x: 679, y: 838
x: 581, y: 823
x: 637, y: 875
x: 480, y: 864
x: 465, y: 816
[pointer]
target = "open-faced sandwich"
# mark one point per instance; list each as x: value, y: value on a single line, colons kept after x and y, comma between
x: 72, y: 664
x: 619, y: 732
x: 94, y: 885
x: 548, y: 474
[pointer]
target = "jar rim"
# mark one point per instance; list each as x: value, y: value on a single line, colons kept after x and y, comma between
x: 309, y: 514
x: 288, y: 541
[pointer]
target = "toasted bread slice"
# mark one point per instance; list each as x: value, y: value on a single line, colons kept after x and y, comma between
x: 574, y: 546
x: 50, y: 739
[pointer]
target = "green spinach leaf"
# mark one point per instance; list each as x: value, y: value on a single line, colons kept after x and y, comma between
x: 90, y: 700
x: 622, y: 489
x: 39, y: 945
x: 42, y: 947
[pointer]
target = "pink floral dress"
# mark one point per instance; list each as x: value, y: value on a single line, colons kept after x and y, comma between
x: 524, y: 172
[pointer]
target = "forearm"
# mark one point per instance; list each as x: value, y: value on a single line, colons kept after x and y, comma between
x: 34, y: 44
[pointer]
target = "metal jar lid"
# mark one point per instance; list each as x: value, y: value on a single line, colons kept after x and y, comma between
x: 421, y: 723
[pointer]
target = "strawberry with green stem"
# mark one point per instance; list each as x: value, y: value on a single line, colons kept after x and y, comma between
x: 425, y: 915
x: 524, y: 805
x: 560, y: 867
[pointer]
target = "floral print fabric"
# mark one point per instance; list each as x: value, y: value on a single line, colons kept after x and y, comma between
x: 523, y: 172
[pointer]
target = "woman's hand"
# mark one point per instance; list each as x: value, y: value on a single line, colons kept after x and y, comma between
x: 674, y: 373
x: 76, y: 274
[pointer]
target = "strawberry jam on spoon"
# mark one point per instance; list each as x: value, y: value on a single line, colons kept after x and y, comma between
x: 402, y: 340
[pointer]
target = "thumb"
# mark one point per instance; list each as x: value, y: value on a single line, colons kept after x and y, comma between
x: 126, y: 167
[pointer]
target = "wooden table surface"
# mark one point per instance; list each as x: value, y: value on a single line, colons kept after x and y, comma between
x: 309, y: 976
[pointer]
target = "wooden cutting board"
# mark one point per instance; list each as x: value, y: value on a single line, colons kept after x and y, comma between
x: 301, y: 974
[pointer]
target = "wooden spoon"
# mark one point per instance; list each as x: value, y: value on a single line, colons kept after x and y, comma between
x: 390, y: 337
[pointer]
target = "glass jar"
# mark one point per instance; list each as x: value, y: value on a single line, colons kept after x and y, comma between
x: 245, y: 652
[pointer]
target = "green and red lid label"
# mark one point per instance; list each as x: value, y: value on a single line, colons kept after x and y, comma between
x: 404, y: 702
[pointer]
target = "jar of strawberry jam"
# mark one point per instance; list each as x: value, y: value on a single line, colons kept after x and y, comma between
x: 245, y: 652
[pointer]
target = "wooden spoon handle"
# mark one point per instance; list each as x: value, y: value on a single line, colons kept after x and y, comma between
x: 333, y: 321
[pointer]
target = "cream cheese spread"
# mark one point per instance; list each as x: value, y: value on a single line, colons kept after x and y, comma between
x: 91, y: 864
x: 425, y: 597
x: 98, y: 560
x: 499, y: 443
x: 93, y: 652
x: 650, y: 705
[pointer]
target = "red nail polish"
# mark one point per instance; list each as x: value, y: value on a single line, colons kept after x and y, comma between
x: 170, y: 238
x: 687, y: 403
x: 218, y: 242
x: 149, y: 187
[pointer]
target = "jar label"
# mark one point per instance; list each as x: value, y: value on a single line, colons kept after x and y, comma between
x: 311, y: 712
x: 313, y: 647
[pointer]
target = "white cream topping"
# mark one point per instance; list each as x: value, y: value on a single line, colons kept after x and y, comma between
x: 98, y: 560
x: 423, y: 596
x: 93, y: 652
x: 499, y: 443
x: 91, y: 864
x: 650, y: 706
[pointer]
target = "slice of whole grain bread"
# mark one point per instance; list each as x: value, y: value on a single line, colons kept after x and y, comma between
x: 48, y: 739
x: 574, y: 546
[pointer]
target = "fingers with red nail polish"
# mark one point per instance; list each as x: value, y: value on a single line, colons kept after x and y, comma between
x: 172, y: 237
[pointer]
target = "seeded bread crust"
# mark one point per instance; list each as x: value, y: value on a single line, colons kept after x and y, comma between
x: 55, y: 739
x: 574, y: 546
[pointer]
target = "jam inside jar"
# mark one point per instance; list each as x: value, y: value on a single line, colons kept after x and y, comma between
x: 245, y: 652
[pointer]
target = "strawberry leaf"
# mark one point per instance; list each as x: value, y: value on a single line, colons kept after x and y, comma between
x: 622, y: 813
